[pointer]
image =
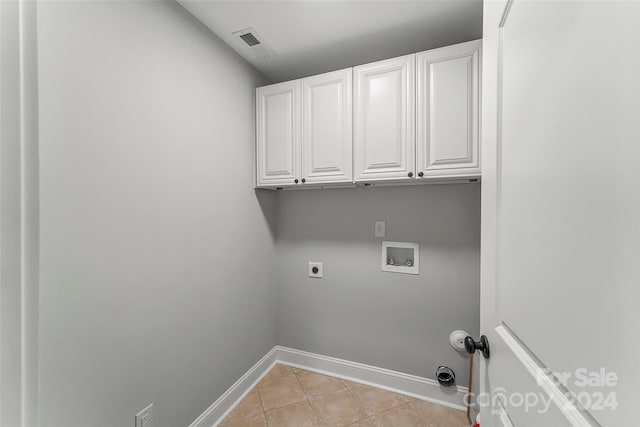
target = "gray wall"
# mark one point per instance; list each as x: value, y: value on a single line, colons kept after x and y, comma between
x: 160, y: 277
x: 359, y: 313
x: 156, y: 254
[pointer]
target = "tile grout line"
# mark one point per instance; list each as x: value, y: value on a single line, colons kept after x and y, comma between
x: 410, y: 405
x: 343, y: 385
x: 308, y: 398
x: 403, y: 402
x: 358, y: 402
x: 346, y: 387
x: 264, y: 413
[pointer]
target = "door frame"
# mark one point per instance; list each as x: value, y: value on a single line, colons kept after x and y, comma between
x: 494, y: 13
x: 19, y: 219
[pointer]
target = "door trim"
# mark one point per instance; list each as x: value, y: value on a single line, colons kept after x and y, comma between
x: 558, y: 393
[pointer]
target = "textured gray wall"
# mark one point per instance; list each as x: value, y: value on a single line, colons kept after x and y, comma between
x: 359, y: 313
x: 157, y: 254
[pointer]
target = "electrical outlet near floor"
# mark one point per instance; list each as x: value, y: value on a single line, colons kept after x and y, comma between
x: 144, y: 418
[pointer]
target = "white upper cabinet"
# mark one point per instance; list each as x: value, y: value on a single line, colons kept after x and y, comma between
x: 326, y: 128
x: 447, y: 110
x: 402, y: 120
x: 384, y: 117
x: 278, y: 134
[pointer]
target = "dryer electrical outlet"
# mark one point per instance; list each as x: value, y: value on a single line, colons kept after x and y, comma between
x: 315, y: 270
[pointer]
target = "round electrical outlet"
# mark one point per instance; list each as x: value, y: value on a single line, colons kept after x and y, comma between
x: 456, y: 339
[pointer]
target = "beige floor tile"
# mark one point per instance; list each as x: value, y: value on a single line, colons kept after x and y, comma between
x: 249, y: 407
x: 439, y: 416
x: 369, y: 422
x: 277, y: 371
x: 297, y: 415
x: 280, y: 392
x: 317, y: 384
x: 337, y: 407
x: 401, y: 416
x: 374, y: 400
x: 298, y: 398
x: 246, y: 422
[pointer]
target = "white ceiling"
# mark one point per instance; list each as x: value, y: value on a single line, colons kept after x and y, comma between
x: 312, y: 37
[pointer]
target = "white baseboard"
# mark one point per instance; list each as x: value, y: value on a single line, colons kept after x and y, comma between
x: 397, y: 382
x: 230, y: 398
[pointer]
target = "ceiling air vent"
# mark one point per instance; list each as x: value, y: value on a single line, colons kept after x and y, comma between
x: 252, y: 45
x: 250, y: 39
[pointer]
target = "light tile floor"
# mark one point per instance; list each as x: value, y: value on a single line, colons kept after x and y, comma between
x: 290, y: 397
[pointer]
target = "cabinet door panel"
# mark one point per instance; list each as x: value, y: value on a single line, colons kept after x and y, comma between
x: 278, y: 134
x: 384, y: 137
x: 448, y: 110
x: 327, y: 134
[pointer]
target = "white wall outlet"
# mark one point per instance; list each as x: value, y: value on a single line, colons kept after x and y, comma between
x: 456, y: 339
x: 144, y: 418
x: 315, y: 269
x: 381, y: 229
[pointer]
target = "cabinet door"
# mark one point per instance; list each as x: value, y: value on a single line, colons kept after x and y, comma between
x: 326, y: 128
x: 448, y: 110
x: 384, y: 117
x: 278, y: 134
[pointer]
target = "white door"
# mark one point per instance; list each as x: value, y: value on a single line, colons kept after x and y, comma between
x: 326, y: 128
x: 278, y: 134
x: 384, y: 118
x: 448, y: 110
x: 561, y: 213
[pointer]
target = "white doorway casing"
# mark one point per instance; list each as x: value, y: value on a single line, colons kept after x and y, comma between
x: 18, y: 215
